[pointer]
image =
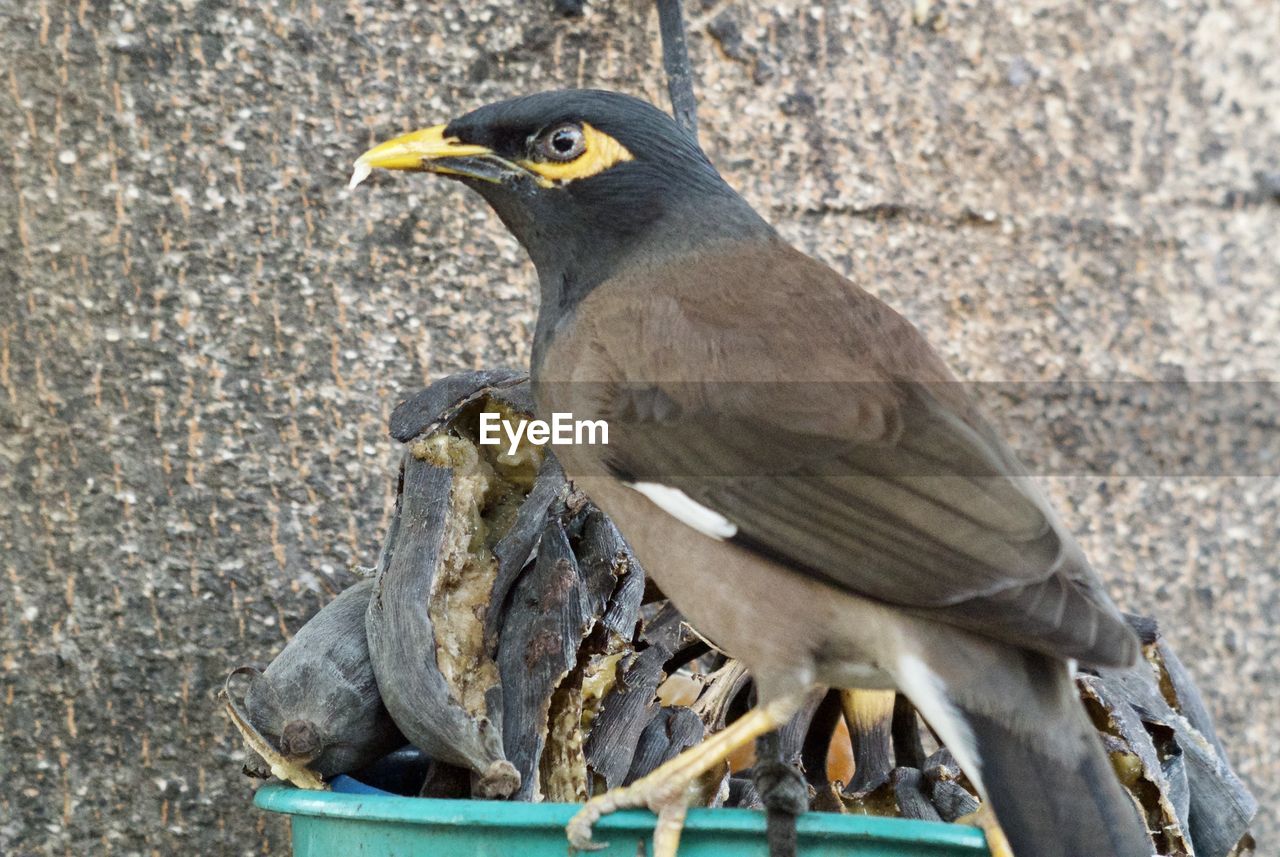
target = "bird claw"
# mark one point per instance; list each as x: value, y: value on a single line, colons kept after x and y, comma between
x: 666, y: 833
x: 587, y: 844
x: 674, y: 785
x: 668, y: 797
x: 579, y: 827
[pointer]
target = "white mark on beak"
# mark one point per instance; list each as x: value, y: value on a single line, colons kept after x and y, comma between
x: 359, y: 173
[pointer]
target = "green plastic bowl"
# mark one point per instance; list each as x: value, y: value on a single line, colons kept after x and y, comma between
x: 332, y: 824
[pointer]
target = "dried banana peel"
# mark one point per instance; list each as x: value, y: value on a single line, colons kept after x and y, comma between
x: 537, y: 650
x: 435, y: 584
x: 632, y: 700
x: 315, y: 711
x: 1179, y: 775
x: 563, y: 625
x: 290, y: 770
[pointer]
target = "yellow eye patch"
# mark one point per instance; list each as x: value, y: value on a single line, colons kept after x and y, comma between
x: 599, y: 153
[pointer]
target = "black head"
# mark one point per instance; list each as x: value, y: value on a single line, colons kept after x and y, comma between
x: 587, y: 180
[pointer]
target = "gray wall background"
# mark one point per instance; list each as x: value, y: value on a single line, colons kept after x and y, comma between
x: 202, y: 331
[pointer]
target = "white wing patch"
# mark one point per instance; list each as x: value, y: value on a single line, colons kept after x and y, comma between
x: 686, y: 510
x: 927, y: 692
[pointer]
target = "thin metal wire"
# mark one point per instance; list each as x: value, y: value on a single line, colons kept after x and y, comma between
x: 675, y: 59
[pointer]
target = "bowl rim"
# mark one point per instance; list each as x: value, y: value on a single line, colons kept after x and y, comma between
x: 436, y: 812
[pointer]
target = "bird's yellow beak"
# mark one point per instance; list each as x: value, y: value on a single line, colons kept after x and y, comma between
x: 431, y: 151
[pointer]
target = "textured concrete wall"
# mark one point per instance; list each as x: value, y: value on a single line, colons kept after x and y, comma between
x: 202, y: 332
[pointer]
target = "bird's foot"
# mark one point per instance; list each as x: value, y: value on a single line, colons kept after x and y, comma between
x: 669, y: 797
x: 985, y: 819
x: 670, y: 789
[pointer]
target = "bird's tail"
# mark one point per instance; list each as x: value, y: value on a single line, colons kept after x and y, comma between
x: 1052, y: 806
x: 1039, y: 761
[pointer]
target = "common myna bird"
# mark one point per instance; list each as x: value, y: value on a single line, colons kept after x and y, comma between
x: 794, y: 465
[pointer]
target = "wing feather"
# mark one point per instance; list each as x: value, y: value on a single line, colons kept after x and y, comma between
x: 849, y: 452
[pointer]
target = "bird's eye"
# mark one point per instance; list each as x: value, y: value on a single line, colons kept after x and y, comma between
x: 563, y: 143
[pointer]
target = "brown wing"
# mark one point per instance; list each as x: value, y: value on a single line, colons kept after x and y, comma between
x: 847, y: 452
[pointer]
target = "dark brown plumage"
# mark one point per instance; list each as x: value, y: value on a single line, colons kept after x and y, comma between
x: 794, y: 464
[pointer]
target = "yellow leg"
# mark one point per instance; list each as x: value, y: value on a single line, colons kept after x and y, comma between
x: 668, y: 789
x: 985, y: 819
x: 666, y: 833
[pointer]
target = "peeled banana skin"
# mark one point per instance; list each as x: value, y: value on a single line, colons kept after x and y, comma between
x: 441, y: 685
x: 316, y: 706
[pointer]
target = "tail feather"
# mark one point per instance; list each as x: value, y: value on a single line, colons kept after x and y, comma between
x: 1015, y: 724
x: 1049, y: 805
